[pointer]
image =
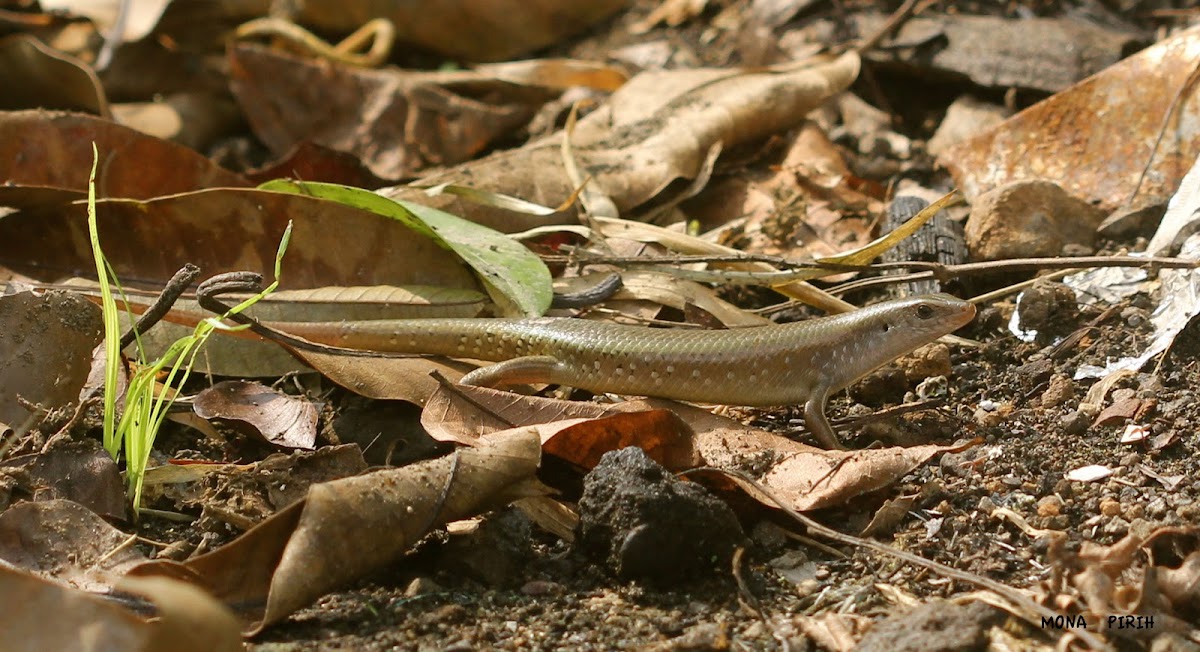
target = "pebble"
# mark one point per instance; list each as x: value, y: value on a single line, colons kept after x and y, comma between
x: 1027, y: 219
x: 1049, y: 506
x: 1075, y: 423
x: 1110, y: 507
x: 1060, y: 390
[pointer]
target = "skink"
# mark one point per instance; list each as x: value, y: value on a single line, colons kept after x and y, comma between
x: 789, y: 364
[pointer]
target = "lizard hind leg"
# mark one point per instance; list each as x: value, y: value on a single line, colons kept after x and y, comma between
x: 529, y: 369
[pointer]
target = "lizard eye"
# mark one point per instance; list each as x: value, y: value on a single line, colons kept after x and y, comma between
x: 925, y: 311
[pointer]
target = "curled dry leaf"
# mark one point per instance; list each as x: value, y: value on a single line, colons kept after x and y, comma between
x: 187, y: 620
x: 347, y: 528
x: 37, y: 76
x: 659, y: 127
x: 1181, y: 585
x: 255, y: 409
x: 82, y: 621
x: 806, y: 477
x: 1148, y: 572
x: 396, y: 122
x: 45, y: 351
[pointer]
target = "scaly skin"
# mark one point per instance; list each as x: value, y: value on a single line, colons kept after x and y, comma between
x: 797, y: 363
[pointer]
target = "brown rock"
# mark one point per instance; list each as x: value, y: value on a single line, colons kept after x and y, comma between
x: 1050, y: 506
x: 926, y: 362
x: 1060, y: 391
x: 1028, y: 219
x: 1110, y: 507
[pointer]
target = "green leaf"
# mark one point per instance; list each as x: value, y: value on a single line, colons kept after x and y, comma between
x: 517, y: 280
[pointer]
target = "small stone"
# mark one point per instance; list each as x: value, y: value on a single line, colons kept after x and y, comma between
x: 1110, y: 507
x: 541, y: 587
x: 1051, y: 309
x: 1157, y: 508
x: 768, y: 535
x: 1190, y: 512
x: 926, y: 362
x: 1117, y: 527
x: 1049, y: 506
x: 1075, y: 423
x: 1061, y: 390
x: 1133, y: 221
x: 422, y: 586
x: 1028, y: 219
x: 992, y: 418
x: 986, y: 505
x: 1131, y: 460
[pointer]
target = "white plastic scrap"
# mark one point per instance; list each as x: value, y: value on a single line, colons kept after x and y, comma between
x: 1180, y: 288
x: 1090, y: 473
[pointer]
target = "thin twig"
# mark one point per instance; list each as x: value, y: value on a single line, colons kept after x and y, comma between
x: 162, y: 304
x: 893, y: 23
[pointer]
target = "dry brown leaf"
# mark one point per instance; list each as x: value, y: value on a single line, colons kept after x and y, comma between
x: 255, y: 409
x: 806, y: 477
x: 77, y: 471
x: 396, y: 122
x: 466, y: 30
x: 313, y: 162
x: 46, y: 350
x: 661, y: 434
x: 347, y: 528
x: 659, y: 127
x: 575, y: 431
x: 65, y: 541
x: 815, y: 479
x: 396, y: 378
x: 1182, y: 585
x: 37, y: 76
x: 82, y: 621
x: 46, y: 156
x: 187, y: 618
x: 1100, y: 159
